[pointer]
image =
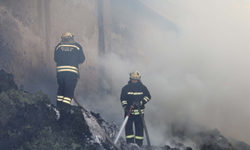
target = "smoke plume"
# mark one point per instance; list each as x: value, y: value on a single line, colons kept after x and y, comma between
x: 193, y: 58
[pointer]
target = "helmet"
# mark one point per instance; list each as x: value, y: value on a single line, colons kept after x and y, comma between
x: 67, y: 35
x: 135, y: 75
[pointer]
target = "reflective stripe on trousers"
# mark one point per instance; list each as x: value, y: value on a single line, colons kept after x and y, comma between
x: 130, y: 136
x: 59, y: 98
x: 67, y: 100
x: 139, y: 137
x: 136, y: 112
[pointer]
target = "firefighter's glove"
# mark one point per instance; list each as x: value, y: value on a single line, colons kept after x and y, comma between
x: 126, y: 108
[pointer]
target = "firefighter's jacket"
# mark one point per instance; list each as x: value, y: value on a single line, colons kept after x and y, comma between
x: 135, y: 93
x: 67, y: 57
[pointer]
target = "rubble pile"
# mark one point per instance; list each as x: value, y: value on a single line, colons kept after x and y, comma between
x: 29, y: 121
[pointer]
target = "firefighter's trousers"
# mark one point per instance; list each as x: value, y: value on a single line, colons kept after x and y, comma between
x: 67, y: 84
x: 136, y: 119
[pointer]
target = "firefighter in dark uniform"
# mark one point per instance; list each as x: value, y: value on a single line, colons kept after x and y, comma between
x: 134, y: 91
x: 68, y: 54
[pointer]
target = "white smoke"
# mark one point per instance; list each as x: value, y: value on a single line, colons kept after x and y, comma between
x: 198, y: 72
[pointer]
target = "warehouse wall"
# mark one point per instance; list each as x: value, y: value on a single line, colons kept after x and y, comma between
x: 29, y: 32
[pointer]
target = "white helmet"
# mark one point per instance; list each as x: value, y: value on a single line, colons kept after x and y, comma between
x: 67, y: 35
x: 135, y: 75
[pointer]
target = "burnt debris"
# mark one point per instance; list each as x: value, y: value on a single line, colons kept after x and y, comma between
x: 29, y: 121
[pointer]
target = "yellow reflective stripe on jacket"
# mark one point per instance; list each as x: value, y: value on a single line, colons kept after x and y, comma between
x: 68, y: 46
x: 138, y: 93
x: 139, y: 137
x: 146, y: 99
x: 135, y: 93
x: 67, y: 68
x: 130, y: 136
x: 124, y: 102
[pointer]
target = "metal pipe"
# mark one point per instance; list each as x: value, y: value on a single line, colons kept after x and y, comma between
x: 145, y: 127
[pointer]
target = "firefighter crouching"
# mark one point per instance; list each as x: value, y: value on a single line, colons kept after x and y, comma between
x: 68, y: 54
x: 134, y: 91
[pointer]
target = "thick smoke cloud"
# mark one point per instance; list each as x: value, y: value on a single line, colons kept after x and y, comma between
x: 215, y: 44
x: 199, y: 72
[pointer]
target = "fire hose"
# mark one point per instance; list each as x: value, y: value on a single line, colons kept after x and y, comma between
x: 124, y: 123
x: 126, y: 119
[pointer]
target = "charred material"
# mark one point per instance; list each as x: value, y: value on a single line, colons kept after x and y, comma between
x: 6, y: 81
x: 204, y: 137
x: 30, y: 121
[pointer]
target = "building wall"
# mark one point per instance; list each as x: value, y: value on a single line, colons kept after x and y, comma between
x: 29, y: 32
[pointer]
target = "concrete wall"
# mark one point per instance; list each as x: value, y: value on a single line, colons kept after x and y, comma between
x: 29, y: 31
